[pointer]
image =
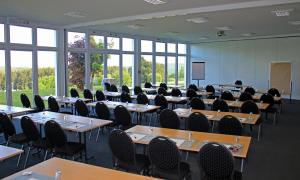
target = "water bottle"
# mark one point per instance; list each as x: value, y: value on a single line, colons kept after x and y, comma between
x: 58, y: 175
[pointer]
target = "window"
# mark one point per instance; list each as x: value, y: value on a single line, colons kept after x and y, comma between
x: 2, y: 78
x: 181, y: 70
x: 160, y: 47
x: 46, y: 37
x: 146, y: 46
x: 113, y: 43
x: 127, y: 70
x: 113, y: 64
x: 1, y: 32
x: 76, y: 40
x: 20, y: 35
x: 171, y: 70
x: 181, y: 49
x: 97, y: 71
x: 97, y: 41
x: 146, y: 69
x: 160, y: 69
x: 46, y: 72
x: 76, y: 70
x: 21, y: 75
x: 171, y: 48
x: 128, y: 44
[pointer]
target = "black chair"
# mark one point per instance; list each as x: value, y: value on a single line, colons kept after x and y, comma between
x: 74, y: 93
x: 102, y: 111
x: 81, y: 108
x: 25, y: 100
x: 268, y: 98
x: 163, y: 85
x: 198, y: 122
x: 190, y: 93
x: 125, y: 89
x: 250, y: 90
x: 107, y: 86
x: 54, y: 106
x: 125, y: 97
x: 87, y: 94
x: 58, y: 140
x: 124, y: 152
x: 210, y: 88
x: 176, y: 92
x: 220, y: 104
x: 137, y: 90
x: 100, y: 95
x: 162, y: 91
x: 39, y: 103
x: 245, y: 96
x: 148, y: 85
x: 113, y: 88
x: 249, y: 107
x: 238, y: 82
x: 34, y: 138
x: 226, y: 95
x: 276, y: 93
x: 169, y: 119
x: 197, y: 103
x: 142, y: 99
x: 165, y: 159
x: 193, y: 86
x: 230, y: 125
x: 161, y: 101
x: 122, y: 117
x: 217, y: 163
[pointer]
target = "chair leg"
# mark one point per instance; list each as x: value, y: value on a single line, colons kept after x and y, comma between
x: 259, y: 131
x: 90, y: 135
x: 18, y: 163
x: 274, y: 119
x: 46, y: 154
x: 27, y: 155
x: 98, y: 132
x: 150, y: 119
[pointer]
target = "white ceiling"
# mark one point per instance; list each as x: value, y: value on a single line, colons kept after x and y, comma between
x: 243, y: 16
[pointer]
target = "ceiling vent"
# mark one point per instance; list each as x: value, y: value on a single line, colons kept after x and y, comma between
x: 156, y: 2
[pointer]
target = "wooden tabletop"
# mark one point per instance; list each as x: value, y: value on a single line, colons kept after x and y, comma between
x: 193, y: 144
x: 8, y: 152
x: 255, y: 97
x: 199, y: 93
x: 236, y: 104
x: 74, y: 170
x: 141, y: 108
x: 14, y: 111
x: 112, y: 94
x: 231, y: 85
x: 216, y: 116
x: 170, y: 99
x: 69, y: 100
x: 68, y: 122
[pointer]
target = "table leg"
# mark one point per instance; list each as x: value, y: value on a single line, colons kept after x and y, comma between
x: 242, y: 165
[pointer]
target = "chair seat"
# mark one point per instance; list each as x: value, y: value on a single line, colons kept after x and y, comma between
x: 18, y: 138
x: 41, y: 143
x: 142, y: 162
x: 237, y: 175
x: 70, y: 148
x: 172, y: 173
x: 182, y: 102
x: 151, y: 92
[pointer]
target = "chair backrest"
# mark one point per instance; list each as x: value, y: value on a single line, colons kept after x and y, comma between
x: 113, y: 88
x: 7, y: 126
x: 238, y: 82
x: 142, y: 99
x: 163, y: 153
x: 198, y: 122
x: 107, y: 86
x: 52, y: 104
x: 81, y: 108
x: 122, y: 116
x: 191, y: 93
x: 274, y: 92
x: 39, y: 103
x: 216, y: 162
x: 29, y: 129
x: 100, y: 95
x: 161, y: 101
x: 249, y: 106
x: 137, y: 90
x: 267, y: 98
x: 55, y: 134
x: 226, y: 95
x: 221, y: 105
x: 176, y: 92
x: 210, y: 88
x: 163, y: 85
x: 125, y: 89
x: 88, y: 94
x: 162, y: 91
x: 125, y: 97
x: 197, y: 103
x: 250, y: 90
x: 148, y: 85
x: 102, y: 111
x: 25, y: 100
x: 74, y: 93
x: 122, y: 147
x: 230, y: 125
x: 193, y: 86
x: 245, y: 96
x: 169, y: 119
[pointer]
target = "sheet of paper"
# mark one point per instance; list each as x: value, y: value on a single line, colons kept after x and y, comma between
x: 209, y: 116
x: 178, y: 141
x: 242, y: 119
x: 137, y: 137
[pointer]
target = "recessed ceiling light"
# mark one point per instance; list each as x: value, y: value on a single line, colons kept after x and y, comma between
x: 156, y: 2
x: 135, y: 26
x: 223, y: 28
x: 76, y: 14
x: 295, y: 23
x: 197, y: 20
x: 282, y: 12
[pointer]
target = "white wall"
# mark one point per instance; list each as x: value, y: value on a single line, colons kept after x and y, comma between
x: 248, y: 60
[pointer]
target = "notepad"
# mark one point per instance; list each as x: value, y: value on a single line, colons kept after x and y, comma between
x: 137, y: 137
x: 242, y: 119
x: 178, y: 141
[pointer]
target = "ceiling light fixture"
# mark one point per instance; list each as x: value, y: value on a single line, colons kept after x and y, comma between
x: 156, y: 2
x: 198, y: 20
x: 295, y: 23
x: 135, y: 26
x: 76, y: 14
x: 223, y: 28
x: 282, y: 12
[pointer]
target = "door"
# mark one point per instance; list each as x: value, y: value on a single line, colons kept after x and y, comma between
x: 280, y: 77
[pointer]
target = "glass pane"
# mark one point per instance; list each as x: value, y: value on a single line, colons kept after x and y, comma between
x: 128, y: 44
x: 160, y: 69
x: 113, y: 64
x: 113, y: 43
x: 97, y: 41
x: 171, y: 70
x: 146, y: 46
x: 2, y: 78
x: 46, y: 72
x: 76, y: 71
x: 146, y: 69
x: 76, y: 40
x: 181, y: 48
x: 181, y: 70
x: 1, y: 32
x: 21, y: 35
x: 97, y: 71
x: 128, y: 61
x: 46, y: 37
x: 160, y: 47
x: 21, y: 76
x: 171, y: 48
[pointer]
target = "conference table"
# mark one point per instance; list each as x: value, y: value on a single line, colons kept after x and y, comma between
x: 199, y: 92
x: 78, y: 124
x: 73, y: 170
x: 14, y: 111
x: 256, y: 96
x: 8, y: 152
x: 191, y: 141
x: 170, y: 99
x: 236, y: 104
